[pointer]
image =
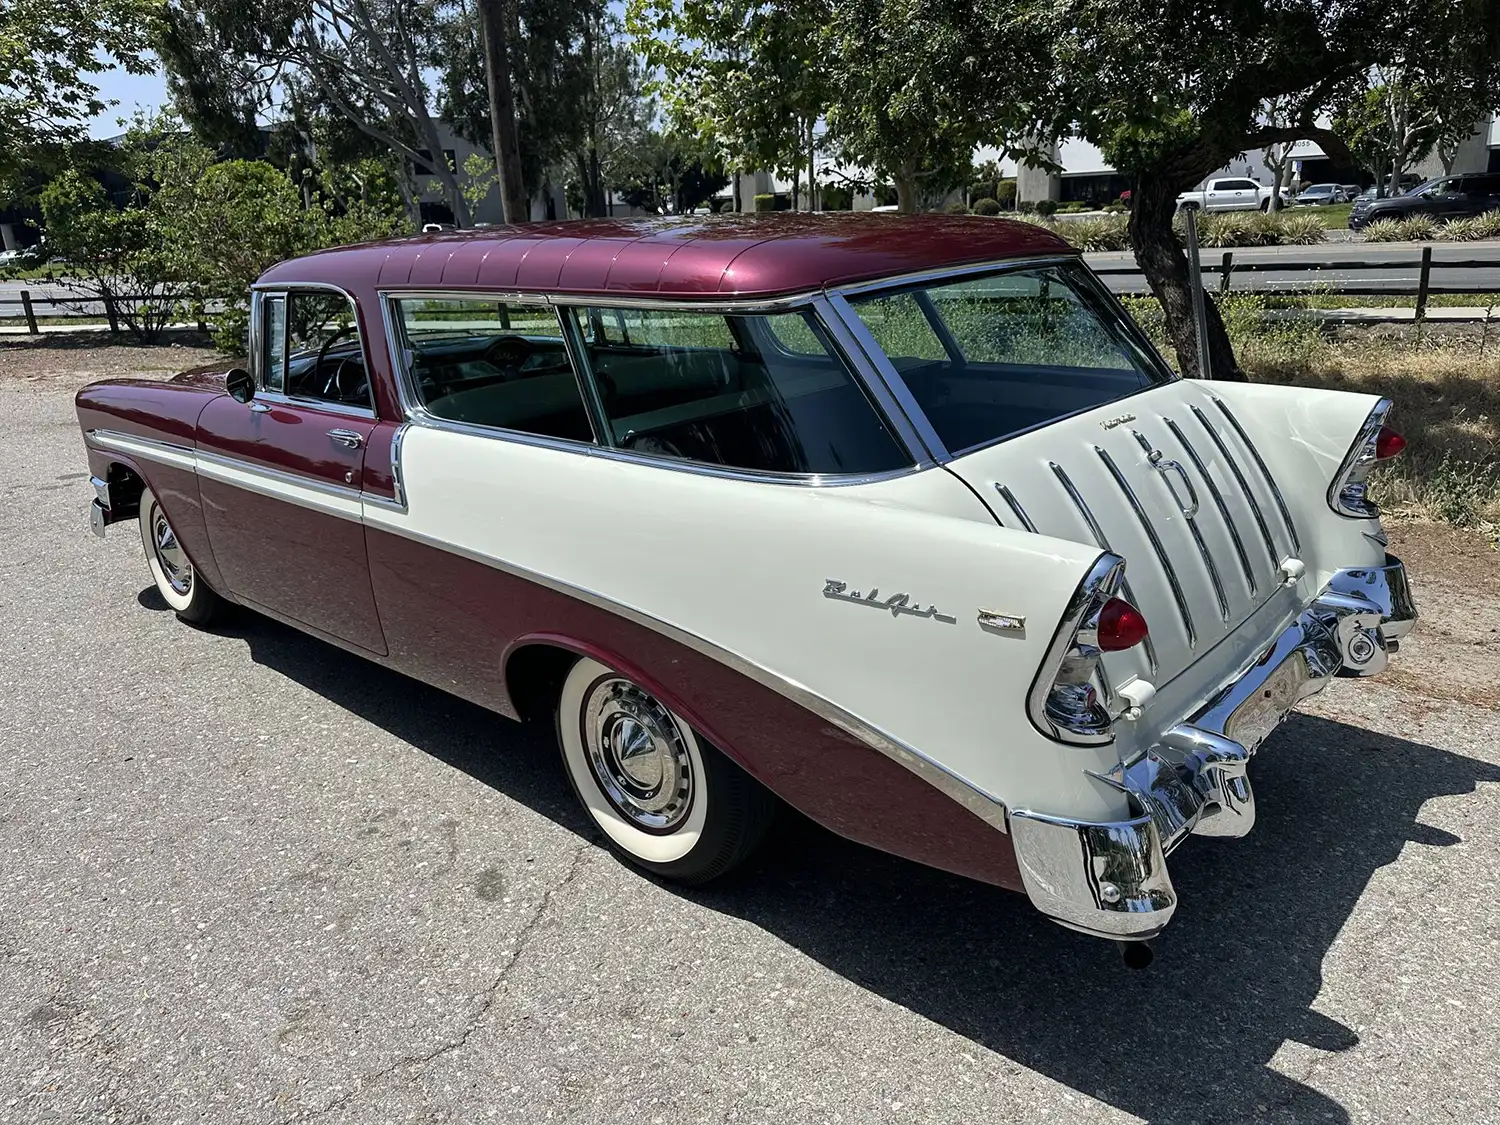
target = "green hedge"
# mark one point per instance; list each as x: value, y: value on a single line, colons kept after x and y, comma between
x: 765, y: 202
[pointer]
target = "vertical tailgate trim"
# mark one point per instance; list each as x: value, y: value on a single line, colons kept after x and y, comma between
x: 1161, y: 554
x: 1103, y: 541
x: 1239, y: 476
x: 1218, y: 498
x: 1286, y: 516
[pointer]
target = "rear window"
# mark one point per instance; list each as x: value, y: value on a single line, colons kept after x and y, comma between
x: 760, y: 393
x: 992, y: 356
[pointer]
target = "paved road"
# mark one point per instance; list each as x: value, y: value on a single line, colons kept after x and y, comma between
x: 247, y: 877
x: 1398, y: 266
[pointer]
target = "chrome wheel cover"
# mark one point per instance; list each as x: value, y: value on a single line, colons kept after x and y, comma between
x: 175, y: 568
x: 638, y: 755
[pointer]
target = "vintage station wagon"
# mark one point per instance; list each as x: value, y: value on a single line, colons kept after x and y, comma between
x: 899, y: 521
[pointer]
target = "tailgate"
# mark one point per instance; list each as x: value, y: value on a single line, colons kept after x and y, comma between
x: 1168, y: 479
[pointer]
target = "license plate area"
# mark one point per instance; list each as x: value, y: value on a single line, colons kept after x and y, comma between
x: 1253, y: 720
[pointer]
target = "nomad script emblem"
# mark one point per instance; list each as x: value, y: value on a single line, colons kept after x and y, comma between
x: 898, y: 604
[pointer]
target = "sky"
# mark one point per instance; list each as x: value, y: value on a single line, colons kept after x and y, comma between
x: 132, y: 91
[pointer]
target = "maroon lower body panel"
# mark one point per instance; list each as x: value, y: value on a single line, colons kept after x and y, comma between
x: 453, y: 623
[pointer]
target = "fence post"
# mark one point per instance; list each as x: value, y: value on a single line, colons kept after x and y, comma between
x: 1224, y: 271
x: 30, y: 313
x: 1422, y: 279
x: 112, y: 314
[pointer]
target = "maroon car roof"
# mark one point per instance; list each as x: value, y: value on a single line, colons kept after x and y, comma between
x: 712, y: 256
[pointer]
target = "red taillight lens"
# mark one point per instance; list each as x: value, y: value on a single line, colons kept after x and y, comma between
x: 1388, y: 443
x: 1121, y: 626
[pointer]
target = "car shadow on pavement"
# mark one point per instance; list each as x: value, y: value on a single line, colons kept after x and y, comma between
x: 1190, y: 1039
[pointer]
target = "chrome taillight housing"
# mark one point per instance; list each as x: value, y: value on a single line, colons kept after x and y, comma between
x: 1067, y: 700
x: 1375, y: 442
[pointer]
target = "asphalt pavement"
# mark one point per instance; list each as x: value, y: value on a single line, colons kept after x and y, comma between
x: 250, y: 878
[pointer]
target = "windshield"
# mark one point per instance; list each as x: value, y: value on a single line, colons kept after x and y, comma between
x: 992, y: 356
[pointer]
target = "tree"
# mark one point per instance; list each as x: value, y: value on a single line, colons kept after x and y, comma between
x: 750, y: 77
x: 367, y: 60
x: 505, y: 144
x: 668, y: 173
x: 1172, y: 91
x: 50, y: 52
x: 1400, y: 114
x: 1277, y: 157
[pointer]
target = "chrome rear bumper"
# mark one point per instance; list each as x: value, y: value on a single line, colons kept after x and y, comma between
x: 1111, y: 879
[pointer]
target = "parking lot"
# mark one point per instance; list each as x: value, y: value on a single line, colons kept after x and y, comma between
x: 248, y: 877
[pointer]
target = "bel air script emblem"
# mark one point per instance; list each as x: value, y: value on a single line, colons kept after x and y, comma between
x: 898, y: 604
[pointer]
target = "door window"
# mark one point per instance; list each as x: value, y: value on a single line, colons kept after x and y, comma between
x: 764, y: 393
x: 493, y: 363
x: 313, y: 348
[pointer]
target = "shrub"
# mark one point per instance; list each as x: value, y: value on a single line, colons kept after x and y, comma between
x: 957, y: 207
x: 1115, y: 208
x: 836, y: 197
x: 1232, y: 229
x: 1046, y: 206
x: 1299, y: 230
x: 1072, y: 208
x: 1096, y: 234
x: 1005, y: 194
x: 986, y: 207
x: 1383, y: 230
x: 1417, y: 228
x: 1026, y: 207
x: 982, y: 189
x: 765, y: 202
x: 1471, y: 229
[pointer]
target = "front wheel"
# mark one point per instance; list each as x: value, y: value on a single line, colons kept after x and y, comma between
x: 668, y: 802
x: 176, y: 580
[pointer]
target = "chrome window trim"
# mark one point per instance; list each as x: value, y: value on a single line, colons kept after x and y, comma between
x: 258, y: 292
x: 417, y: 415
x: 1141, y: 348
x: 736, y: 306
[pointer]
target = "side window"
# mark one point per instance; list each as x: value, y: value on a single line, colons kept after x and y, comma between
x: 273, y: 344
x: 325, y: 360
x: 760, y: 393
x: 490, y: 363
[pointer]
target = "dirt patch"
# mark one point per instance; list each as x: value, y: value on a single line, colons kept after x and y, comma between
x: 76, y: 360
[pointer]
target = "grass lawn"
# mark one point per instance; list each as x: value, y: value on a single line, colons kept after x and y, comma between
x: 1335, y: 216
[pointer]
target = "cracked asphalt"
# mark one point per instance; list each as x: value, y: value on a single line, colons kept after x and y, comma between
x: 246, y: 877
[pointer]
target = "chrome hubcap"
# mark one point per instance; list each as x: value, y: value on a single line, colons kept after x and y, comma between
x: 638, y: 755
x: 175, y: 567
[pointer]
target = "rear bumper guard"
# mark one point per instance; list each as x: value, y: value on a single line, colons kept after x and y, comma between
x: 1111, y: 879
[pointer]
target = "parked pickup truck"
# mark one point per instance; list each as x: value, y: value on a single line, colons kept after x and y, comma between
x: 1231, y: 195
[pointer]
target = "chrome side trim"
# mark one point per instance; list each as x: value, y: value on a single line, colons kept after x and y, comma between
x: 1218, y: 499
x: 1161, y: 554
x: 1103, y: 543
x: 1239, y: 478
x: 347, y: 410
x: 1015, y: 505
x: 976, y: 800
x: 398, y: 486
x: 1190, y: 515
x: 1286, y: 515
x: 162, y: 452
x: 315, y: 495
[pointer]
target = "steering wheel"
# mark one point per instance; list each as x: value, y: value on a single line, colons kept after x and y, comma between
x: 330, y: 385
x: 508, y: 353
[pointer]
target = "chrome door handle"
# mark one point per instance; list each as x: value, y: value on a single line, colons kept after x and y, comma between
x: 1164, y: 466
x: 349, y: 439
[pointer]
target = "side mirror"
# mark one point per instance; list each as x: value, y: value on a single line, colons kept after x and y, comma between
x: 239, y: 384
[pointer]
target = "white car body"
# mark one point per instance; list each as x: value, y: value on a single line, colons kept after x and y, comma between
x: 911, y: 656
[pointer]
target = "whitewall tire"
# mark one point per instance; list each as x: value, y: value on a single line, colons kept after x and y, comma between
x: 666, y: 800
x: 176, y: 580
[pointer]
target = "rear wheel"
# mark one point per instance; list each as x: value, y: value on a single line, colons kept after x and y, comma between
x: 667, y: 801
x: 176, y: 580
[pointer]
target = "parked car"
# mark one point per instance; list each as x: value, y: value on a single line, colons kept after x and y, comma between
x: 903, y: 524
x: 1451, y: 197
x: 1322, y: 195
x: 1232, y: 194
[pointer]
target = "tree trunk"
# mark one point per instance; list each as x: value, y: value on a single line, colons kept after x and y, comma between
x: 906, y: 190
x: 502, y: 111
x: 1153, y: 203
x: 594, y: 186
x: 812, y: 167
